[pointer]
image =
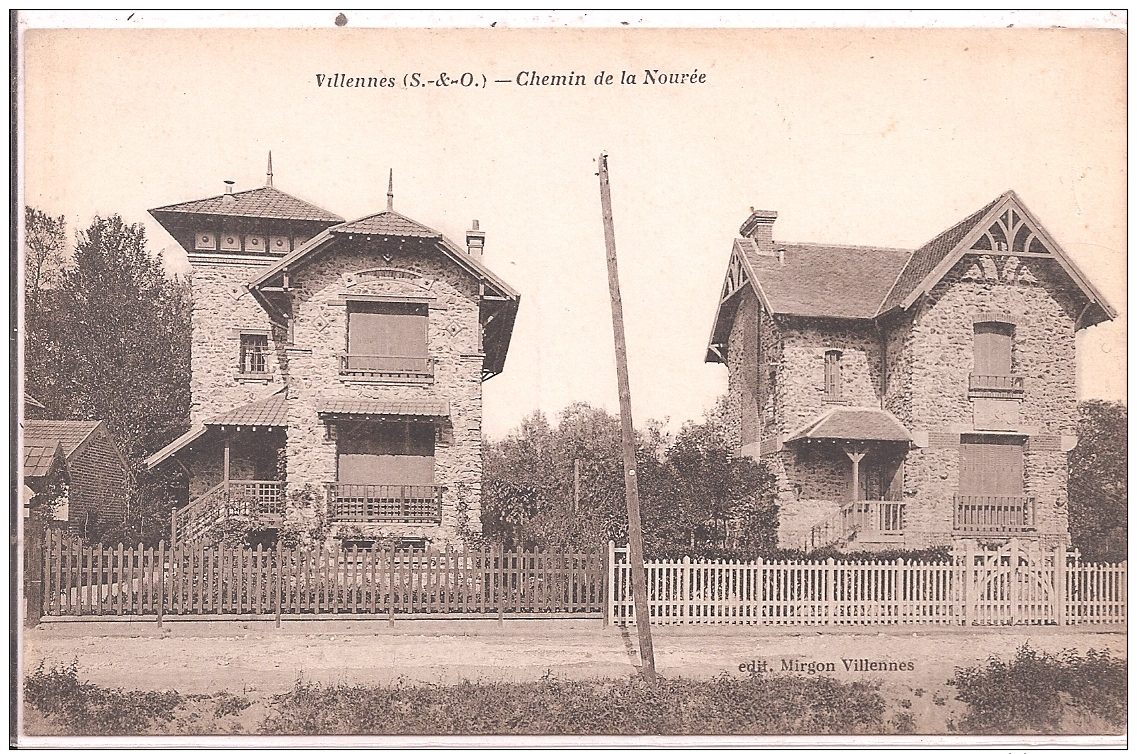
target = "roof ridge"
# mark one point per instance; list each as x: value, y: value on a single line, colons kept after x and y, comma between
x: 826, y: 245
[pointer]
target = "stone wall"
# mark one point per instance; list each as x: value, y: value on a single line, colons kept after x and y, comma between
x: 931, y: 358
x: 804, y: 344
x: 454, y: 342
x: 222, y: 307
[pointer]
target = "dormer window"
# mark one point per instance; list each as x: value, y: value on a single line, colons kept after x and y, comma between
x: 254, y: 353
x: 832, y: 376
x: 387, y: 338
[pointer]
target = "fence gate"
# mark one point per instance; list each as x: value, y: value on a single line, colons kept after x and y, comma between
x: 1017, y: 584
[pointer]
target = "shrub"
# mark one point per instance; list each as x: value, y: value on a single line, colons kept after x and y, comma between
x: 1030, y: 693
x: 85, y: 709
x: 721, y: 706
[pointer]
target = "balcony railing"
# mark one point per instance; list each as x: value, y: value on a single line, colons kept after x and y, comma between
x: 994, y: 514
x: 414, y: 366
x: 996, y: 383
x: 385, y: 503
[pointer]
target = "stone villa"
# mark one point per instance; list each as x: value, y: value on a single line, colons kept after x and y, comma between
x: 908, y: 398
x: 337, y: 368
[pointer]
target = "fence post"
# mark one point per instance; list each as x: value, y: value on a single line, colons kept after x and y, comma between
x: 173, y: 525
x: 391, y: 595
x: 610, y: 577
x: 161, y: 576
x: 279, y: 570
x: 968, y: 581
x: 33, y: 570
x: 1059, y: 588
x: 501, y: 585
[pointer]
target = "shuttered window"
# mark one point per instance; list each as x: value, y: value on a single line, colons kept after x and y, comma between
x: 386, y: 336
x: 990, y: 465
x: 392, y: 453
x: 833, y: 376
x: 993, y: 348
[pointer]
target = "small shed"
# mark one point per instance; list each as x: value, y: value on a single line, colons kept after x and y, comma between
x: 99, y: 475
x: 46, y: 478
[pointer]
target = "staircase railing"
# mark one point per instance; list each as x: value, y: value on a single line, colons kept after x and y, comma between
x: 237, y: 497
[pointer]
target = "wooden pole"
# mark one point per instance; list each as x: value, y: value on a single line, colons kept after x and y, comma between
x: 631, y: 486
x: 33, y: 570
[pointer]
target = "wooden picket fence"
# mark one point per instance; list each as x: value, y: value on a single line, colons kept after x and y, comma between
x: 194, y: 579
x: 1017, y: 584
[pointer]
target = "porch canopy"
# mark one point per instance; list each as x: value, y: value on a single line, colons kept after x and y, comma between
x: 430, y: 410
x: 267, y: 412
x: 853, y: 423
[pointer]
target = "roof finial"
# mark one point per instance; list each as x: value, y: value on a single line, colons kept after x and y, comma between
x: 391, y: 191
x: 268, y: 179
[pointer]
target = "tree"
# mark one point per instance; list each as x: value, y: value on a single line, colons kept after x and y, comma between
x: 1098, y: 483
x: 696, y: 497
x: 44, y: 240
x: 111, y: 341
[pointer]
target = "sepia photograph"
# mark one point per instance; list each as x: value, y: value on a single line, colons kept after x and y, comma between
x: 575, y: 379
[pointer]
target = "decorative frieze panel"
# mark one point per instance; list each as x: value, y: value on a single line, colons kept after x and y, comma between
x: 994, y: 414
x: 278, y: 244
x: 255, y: 244
x: 205, y: 241
x: 230, y: 242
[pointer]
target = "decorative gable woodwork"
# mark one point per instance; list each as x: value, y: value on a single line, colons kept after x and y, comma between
x: 1012, y: 233
x: 736, y: 277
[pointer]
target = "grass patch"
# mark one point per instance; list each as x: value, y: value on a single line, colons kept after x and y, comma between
x: 721, y: 706
x: 1035, y: 691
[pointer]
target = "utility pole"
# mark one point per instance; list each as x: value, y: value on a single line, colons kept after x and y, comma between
x: 631, y: 486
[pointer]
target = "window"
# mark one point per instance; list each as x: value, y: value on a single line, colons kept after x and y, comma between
x: 832, y: 376
x: 993, y: 348
x: 386, y: 453
x: 254, y: 353
x: 386, y: 337
x: 991, y: 465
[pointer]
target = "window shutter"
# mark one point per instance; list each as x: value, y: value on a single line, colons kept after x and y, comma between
x: 993, y: 348
x: 993, y: 466
x: 833, y: 376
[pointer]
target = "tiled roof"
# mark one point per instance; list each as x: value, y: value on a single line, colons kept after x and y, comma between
x: 69, y: 434
x: 825, y: 280
x: 384, y: 408
x: 267, y: 412
x: 927, y: 257
x: 38, y: 459
x: 387, y: 223
x: 852, y: 423
x: 265, y: 202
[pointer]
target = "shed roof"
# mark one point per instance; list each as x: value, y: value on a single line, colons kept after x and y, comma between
x: 69, y: 434
x: 266, y: 202
x: 40, y: 459
x: 853, y: 423
x: 266, y: 412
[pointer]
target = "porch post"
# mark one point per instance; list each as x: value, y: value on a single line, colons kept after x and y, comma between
x: 855, y: 456
x: 225, y: 468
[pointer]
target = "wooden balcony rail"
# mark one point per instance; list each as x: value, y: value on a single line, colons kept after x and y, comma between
x: 994, y: 514
x: 385, y: 503
x: 1003, y: 383
x: 862, y: 516
x: 237, y: 497
x: 364, y: 364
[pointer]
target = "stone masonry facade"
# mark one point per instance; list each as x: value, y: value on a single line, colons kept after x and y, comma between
x: 917, y: 365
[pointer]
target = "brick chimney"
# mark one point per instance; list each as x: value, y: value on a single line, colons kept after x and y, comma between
x: 475, y: 241
x: 760, y: 227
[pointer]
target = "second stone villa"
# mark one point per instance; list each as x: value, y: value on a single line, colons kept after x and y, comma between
x: 345, y: 358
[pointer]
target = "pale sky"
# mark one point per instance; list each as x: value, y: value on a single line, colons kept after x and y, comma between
x: 853, y: 136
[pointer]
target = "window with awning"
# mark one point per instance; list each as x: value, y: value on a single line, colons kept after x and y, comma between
x: 385, y: 453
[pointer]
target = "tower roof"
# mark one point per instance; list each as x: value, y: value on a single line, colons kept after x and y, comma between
x: 264, y: 202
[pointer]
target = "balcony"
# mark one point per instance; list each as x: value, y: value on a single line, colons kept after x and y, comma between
x: 994, y: 514
x: 995, y: 385
x: 402, y: 368
x: 385, y: 503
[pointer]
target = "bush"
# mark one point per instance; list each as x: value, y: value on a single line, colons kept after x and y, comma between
x: 84, y: 709
x: 721, y: 706
x: 1030, y: 693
